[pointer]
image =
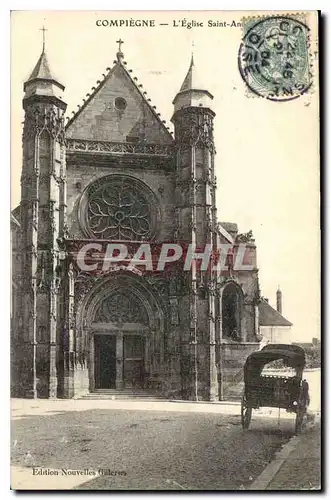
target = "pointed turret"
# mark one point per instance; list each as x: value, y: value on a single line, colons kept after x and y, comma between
x: 196, y: 216
x: 42, y: 221
x: 41, y: 81
x: 192, y: 92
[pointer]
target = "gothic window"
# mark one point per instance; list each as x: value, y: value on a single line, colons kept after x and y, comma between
x: 121, y: 308
x: 119, y: 208
x: 231, y: 313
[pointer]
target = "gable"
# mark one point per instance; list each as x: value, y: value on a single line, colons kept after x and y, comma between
x: 118, y: 112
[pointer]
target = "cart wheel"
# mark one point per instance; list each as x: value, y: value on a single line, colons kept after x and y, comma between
x: 246, y: 413
x: 302, y: 407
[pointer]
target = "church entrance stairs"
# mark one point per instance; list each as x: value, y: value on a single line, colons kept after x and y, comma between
x: 114, y: 394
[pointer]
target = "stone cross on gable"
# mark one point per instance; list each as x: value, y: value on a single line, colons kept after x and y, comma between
x: 120, y: 42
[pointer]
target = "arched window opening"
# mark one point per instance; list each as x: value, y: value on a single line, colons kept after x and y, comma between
x: 231, y: 313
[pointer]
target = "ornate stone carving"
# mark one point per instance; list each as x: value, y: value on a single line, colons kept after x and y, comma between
x: 71, y: 314
x: 245, y: 237
x: 71, y: 279
x: 42, y: 284
x: 174, y: 316
x: 119, y: 208
x: 194, y: 127
x: 211, y: 317
x: 209, y: 221
x: 121, y: 308
x: 193, y: 288
x: 38, y: 119
x: 120, y: 147
x: 34, y: 218
x: 83, y: 284
x: 161, y: 285
x: 118, y: 211
x: 52, y: 221
x: 226, y: 280
x: 177, y: 224
x: 65, y: 230
x: 193, y: 317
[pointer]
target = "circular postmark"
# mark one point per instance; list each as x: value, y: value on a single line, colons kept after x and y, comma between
x: 273, y: 58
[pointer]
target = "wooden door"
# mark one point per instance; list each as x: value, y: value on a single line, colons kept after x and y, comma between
x: 133, y: 369
x: 105, y: 361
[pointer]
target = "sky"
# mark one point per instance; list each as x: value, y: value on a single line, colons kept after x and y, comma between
x: 267, y: 161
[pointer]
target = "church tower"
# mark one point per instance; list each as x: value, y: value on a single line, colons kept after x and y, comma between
x: 196, y: 225
x: 42, y: 219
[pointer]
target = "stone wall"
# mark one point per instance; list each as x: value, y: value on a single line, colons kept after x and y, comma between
x: 101, y: 120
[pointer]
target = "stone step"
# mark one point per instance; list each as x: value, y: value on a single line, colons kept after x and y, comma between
x: 120, y: 395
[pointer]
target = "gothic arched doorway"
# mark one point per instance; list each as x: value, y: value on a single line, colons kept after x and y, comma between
x: 232, y: 312
x: 120, y: 326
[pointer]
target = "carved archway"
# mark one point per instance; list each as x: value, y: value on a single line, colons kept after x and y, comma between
x: 123, y: 306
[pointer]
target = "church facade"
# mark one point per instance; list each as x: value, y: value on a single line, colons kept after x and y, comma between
x: 114, y: 173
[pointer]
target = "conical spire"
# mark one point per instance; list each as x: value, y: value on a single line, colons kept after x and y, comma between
x: 193, y: 91
x: 191, y: 81
x: 41, y: 69
x: 41, y: 81
x: 42, y: 72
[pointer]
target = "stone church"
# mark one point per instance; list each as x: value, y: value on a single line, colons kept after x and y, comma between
x: 114, y: 172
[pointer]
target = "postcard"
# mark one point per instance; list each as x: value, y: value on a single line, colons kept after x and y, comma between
x: 165, y: 313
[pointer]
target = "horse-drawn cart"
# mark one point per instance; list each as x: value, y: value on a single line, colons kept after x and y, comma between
x: 288, y: 392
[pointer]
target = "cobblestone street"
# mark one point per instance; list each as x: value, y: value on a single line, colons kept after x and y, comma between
x: 152, y: 444
x: 153, y: 449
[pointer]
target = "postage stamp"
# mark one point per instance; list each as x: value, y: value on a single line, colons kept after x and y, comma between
x: 274, y: 58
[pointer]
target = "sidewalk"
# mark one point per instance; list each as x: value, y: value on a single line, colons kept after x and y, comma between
x: 297, y: 466
x: 21, y: 408
x: 302, y: 469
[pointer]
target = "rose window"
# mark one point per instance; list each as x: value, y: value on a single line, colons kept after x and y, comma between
x: 119, y: 209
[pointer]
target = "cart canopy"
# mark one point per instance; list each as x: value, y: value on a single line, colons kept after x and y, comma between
x: 292, y: 355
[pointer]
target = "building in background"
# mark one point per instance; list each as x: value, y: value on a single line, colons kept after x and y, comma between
x: 274, y: 328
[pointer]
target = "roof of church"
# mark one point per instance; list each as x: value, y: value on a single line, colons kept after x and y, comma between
x: 268, y: 316
x: 42, y: 71
x: 134, y: 81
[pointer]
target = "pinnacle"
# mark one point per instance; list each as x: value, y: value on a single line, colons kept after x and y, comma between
x: 42, y: 69
x: 188, y: 81
x: 192, y: 81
